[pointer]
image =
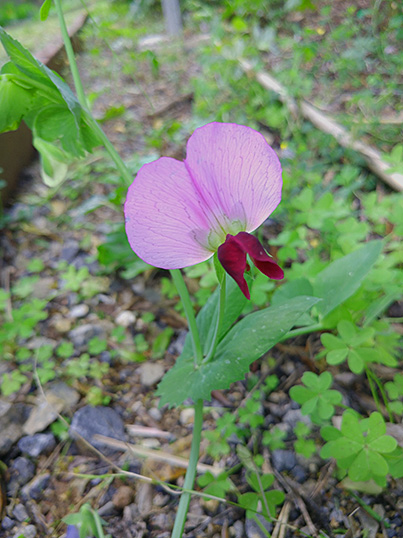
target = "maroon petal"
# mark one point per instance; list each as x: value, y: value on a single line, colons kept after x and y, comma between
x: 251, y: 245
x: 233, y: 258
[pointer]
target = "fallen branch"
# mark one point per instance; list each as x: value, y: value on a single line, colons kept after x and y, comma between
x: 328, y: 125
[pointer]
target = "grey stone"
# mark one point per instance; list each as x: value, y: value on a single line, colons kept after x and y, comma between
x: 89, y: 421
x: 239, y: 529
x: 82, y: 334
x: 34, y: 445
x: 79, y: 311
x: 21, y: 471
x: 27, y: 532
x: 150, y: 373
x: 292, y: 416
x: 7, y: 523
x: 70, y: 250
x: 283, y: 460
x: 59, y: 398
x: 252, y: 529
x: 299, y: 474
x: 12, y: 418
x: 34, y: 489
x: 20, y: 513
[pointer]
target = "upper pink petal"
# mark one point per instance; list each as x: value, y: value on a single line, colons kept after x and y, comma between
x: 235, y: 171
x: 164, y: 216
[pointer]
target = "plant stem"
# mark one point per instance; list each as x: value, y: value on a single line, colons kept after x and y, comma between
x: 70, y: 55
x: 303, y: 330
x: 190, y: 316
x: 220, y: 317
x: 190, y: 473
x: 120, y: 165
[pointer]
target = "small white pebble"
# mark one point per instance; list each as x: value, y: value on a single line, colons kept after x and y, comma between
x: 186, y: 416
x: 125, y: 318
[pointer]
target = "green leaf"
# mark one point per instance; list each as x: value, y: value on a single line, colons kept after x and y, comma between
x: 343, y: 277
x: 336, y: 356
x: 355, y: 362
x: 366, y: 464
x: 246, y: 342
x: 53, y: 161
x: 15, y: 101
x: 332, y: 342
x: 383, y: 444
x: 45, y: 8
x: 207, y: 318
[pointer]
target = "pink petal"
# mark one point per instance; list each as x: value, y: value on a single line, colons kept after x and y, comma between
x: 235, y: 172
x: 164, y: 216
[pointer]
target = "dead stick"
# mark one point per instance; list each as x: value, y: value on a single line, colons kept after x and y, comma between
x: 328, y: 125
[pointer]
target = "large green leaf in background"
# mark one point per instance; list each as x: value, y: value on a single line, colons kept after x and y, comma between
x: 339, y: 280
x: 244, y: 343
x: 32, y: 92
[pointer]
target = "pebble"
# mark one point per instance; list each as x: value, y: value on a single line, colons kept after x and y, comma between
x: 125, y: 318
x: 79, y: 311
x: 7, y: 523
x: 252, y: 529
x: 299, y: 474
x: 21, y: 471
x: 34, y: 445
x: 27, y: 532
x: 59, y: 398
x: 34, y: 489
x: 293, y: 416
x: 70, y: 250
x: 123, y: 497
x: 12, y: 419
x: 144, y: 498
x: 155, y: 413
x: 107, y: 510
x: 20, y: 513
x: 89, y: 421
x: 238, y: 529
x: 176, y: 347
x: 150, y: 373
x: 186, y: 416
x: 80, y: 336
x: 283, y: 460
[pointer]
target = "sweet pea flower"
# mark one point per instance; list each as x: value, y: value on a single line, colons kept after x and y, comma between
x: 181, y: 213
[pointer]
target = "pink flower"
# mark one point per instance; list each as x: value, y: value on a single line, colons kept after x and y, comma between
x: 181, y: 213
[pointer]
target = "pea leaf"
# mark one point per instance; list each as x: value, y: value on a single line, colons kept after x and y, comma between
x: 246, y: 342
x: 45, y: 8
x: 339, y: 280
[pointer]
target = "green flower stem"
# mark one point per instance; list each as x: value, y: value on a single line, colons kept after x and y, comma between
x: 70, y: 55
x: 220, y: 317
x: 372, y: 376
x: 120, y: 165
x: 180, y: 518
x: 190, y: 316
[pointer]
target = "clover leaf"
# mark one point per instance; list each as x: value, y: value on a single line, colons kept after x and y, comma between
x: 352, y: 344
x: 316, y: 398
x: 359, y: 447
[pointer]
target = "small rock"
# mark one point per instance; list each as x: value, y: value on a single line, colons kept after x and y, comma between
x: 70, y: 250
x: 34, y: 445
x: 283, y: 460
x: 79, y: 311
x: 299, y: 474
x: 59, y: 398
x: 125, y: 318
x: 293, y: 416
x: 43, y: 288
x: 61, y: 323
x: 27, y: 532
x: 155, y: 413
x: 252, y: 529
x: 238, y: 529
x: 7, y: 523
x: 89, y: 421
x: 80, y: 336
x: 21, y: 471
x: 34, y: 489
x: 123, y: 497
x: 20, y: 513
x: 107, y: 510
x: 150, y: 373
x: 186, y: 416
x: 12, y: 418
x: 144, y: 500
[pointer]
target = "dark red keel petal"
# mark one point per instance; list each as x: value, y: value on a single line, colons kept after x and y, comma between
x: 232, y: 256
